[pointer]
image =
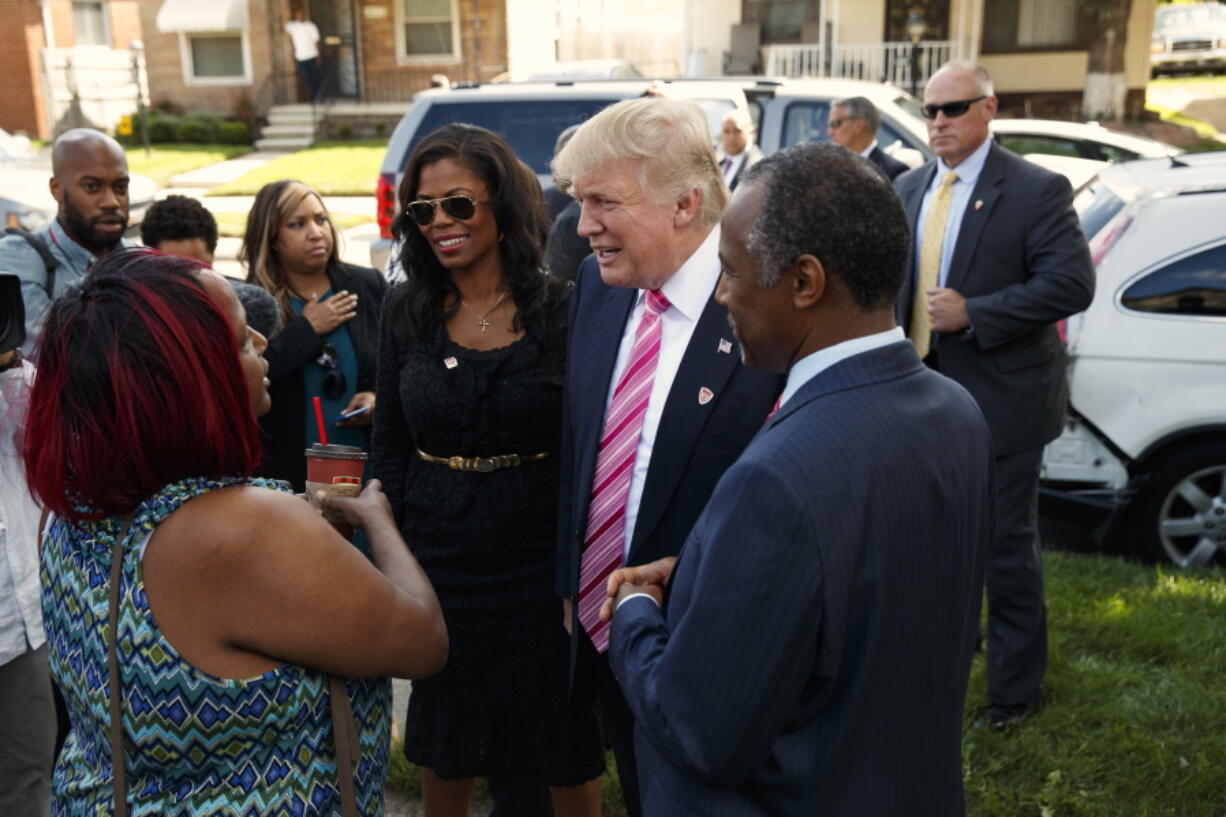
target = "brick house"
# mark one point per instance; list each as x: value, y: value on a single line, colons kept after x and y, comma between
x: 65, y: 63
x: 211, y: 55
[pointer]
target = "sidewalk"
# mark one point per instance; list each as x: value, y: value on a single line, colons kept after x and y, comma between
x: 223, y: 172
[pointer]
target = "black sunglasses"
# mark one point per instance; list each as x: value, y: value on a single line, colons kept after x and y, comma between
x: 334, y: 378
x: 461, y: 207
x: 951, y: 109
x: 834, y: 124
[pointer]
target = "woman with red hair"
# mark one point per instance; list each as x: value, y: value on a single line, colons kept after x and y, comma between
x: 141, y: 440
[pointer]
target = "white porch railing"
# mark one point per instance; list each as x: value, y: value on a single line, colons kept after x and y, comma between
x: 878, y: 62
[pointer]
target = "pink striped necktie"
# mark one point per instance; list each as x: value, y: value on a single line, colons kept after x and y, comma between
x: 604, y: 547
x: 774, y: 409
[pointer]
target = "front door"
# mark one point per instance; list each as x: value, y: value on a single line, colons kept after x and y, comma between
x: 934, y: 12
x: 335, y: 20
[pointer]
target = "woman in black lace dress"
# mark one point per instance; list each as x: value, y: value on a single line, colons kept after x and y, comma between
x: 466, y: 438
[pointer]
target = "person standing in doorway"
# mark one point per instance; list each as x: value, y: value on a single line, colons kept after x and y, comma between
x: 305, y: 36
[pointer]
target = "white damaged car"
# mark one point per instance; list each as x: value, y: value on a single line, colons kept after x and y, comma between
x: 1144, y: 448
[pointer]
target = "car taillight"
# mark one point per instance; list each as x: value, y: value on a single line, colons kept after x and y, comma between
x: 385, y: 203
x: 1105, y: 239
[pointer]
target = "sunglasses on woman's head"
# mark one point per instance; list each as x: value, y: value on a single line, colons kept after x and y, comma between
x: 951, y: 109
x: 334, y: 378
x: 461, y: 207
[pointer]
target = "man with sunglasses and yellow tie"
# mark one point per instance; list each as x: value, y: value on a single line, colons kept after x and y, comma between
x: 999, y: 258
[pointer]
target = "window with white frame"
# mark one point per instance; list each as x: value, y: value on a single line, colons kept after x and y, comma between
x: 428, y: 30
x: 215, y: 58
x: 89, y: 23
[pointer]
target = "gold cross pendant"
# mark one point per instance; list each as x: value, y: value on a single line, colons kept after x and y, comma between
x: 484, y: 324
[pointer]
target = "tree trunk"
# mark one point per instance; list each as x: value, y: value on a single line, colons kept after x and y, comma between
x: 1106, y: 84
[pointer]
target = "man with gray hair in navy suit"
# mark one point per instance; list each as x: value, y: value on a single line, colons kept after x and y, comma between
x: 808, y: 651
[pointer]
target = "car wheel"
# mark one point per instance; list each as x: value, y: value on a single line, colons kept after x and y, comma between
x: 1180, y: 514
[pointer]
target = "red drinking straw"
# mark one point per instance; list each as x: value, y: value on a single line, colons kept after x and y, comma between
x: 319, y: 421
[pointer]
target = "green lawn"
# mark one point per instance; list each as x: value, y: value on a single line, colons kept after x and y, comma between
x: 234, y: 224
x: 1134, y: 721
x: 331, y: 168
x: 1208, y: 135
x: 165, y: 161
x: 1193, y: 80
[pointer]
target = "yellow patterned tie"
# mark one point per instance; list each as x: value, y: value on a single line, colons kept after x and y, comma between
x: 930, y: 264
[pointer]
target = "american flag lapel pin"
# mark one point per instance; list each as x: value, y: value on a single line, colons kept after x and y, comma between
x: 725, y: 346
x: 450, y: 362
x: 704, y: 396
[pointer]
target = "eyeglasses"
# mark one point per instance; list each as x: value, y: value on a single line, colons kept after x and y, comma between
x: 835, y: 124
x: 334, y: 378
x: 951, y: 109
x: 461, y: 207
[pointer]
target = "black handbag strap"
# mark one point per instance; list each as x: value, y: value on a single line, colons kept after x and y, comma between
x: 345, y: 736
x: 48, y: 259
x: 344, y: 729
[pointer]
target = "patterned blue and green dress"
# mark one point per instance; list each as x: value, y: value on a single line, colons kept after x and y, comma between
x: 194, y: 744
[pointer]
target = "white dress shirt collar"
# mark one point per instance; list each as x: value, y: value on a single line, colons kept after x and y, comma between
x: 970, y: 168
x: 689, y: 288
x: 812, y: 365
x: 868, y: 150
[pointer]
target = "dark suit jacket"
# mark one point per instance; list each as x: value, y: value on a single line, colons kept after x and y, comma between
x: 754, y: 156
x: 695, y: 443
x: 566, y: 249
x: 814, y: 651
x: 890, y: 166
x: 283, y: 427
x: 1022, y: 264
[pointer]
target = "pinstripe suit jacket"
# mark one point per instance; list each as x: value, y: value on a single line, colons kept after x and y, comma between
x: 813, y: 654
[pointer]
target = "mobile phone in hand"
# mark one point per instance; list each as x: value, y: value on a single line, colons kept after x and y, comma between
x: 351, y: 414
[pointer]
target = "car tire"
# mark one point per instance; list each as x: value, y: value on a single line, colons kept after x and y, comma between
x: 1179, y: 515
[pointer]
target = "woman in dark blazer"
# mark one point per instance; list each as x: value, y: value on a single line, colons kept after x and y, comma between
x: 329, y: 343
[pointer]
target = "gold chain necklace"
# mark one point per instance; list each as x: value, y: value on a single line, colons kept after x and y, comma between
x: 482, y: 319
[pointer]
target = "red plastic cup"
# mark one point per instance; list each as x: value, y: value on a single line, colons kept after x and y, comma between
x: 335, y: 470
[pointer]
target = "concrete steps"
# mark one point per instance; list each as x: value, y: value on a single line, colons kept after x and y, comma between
x: 290, y: 127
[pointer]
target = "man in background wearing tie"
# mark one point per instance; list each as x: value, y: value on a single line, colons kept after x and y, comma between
x: 738, y: 152
x: 656, y: 403
x: 853, y: 124
x: 999, y: 258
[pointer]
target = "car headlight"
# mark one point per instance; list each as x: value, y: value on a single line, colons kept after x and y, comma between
x: 29, y: 220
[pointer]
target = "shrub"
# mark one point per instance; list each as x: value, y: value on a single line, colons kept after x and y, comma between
x: 380, y: 129
x: 345, y: 131
x: 163, y: 127
x: 199, y: 128
x: 234, y: 133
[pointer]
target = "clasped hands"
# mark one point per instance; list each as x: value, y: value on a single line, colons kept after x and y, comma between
x: 649, y: 578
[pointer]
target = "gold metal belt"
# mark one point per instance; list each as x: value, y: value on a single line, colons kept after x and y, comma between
x: 482, y: 464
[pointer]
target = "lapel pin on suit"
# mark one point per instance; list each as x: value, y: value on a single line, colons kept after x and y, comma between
x: 725, y: 346
x: 978, y: 204
x: 704, y: 396
x: 450, y: 362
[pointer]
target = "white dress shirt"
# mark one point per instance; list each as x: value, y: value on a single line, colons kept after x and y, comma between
x: 871, y: 147
x: 968, y: 176
x: 688, y: 291
x: 305, y: 37
x: 21, y: 616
